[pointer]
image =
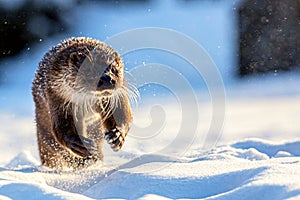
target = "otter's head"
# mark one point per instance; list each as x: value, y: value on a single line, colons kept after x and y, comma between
x: 98, y: 71
x: 96, y: 79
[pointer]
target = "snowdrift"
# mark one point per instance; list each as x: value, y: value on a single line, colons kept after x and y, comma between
x: 249, y: 169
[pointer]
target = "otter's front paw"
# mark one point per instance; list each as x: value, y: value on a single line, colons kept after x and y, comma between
x: 81, y: 146
x: 115, y: 138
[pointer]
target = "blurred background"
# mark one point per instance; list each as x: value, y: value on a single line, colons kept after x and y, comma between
x: 254, y: 43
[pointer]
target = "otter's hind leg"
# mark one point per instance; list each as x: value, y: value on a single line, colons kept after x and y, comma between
x: 49, y: 149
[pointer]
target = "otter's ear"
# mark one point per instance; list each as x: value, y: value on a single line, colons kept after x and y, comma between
x: 74, y: 59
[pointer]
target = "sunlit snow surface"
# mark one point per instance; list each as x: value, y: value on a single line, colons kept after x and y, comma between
x: 244, y: 170
x: 265, y: 109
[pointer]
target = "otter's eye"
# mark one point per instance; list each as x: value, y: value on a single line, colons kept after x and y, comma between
x: 113, y: 69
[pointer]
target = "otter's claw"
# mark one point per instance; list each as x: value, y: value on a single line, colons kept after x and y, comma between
x: 115, y: 138
x: 81, y: 146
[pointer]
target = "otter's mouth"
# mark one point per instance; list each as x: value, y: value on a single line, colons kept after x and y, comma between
x: 103, y: 93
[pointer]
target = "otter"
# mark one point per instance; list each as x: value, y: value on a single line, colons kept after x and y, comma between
x: 81, y: 99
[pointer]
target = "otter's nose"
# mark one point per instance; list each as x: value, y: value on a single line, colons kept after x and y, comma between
x: 106, y: 82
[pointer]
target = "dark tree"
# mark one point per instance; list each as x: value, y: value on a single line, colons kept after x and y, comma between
x: 269, y: 35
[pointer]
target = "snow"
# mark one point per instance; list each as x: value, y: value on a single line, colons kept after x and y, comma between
x: 243, y: 170
x: 256, y: 157
x: 263, y: 167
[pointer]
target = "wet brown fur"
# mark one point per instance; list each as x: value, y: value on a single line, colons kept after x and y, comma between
x: 66, y: 140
